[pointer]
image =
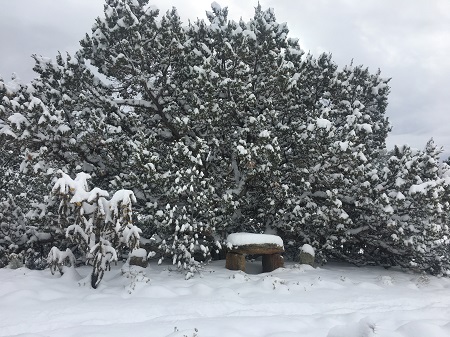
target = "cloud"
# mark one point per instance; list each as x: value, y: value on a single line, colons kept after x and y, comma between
x: 41, y: 27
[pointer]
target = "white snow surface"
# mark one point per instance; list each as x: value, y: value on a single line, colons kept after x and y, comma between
x: 239, y: 239
x: 336, y: 300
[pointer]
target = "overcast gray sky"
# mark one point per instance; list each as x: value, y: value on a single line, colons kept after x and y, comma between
x: 409, y: 40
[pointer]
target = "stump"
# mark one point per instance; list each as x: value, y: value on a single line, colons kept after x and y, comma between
x: 306, y: 258
x: 138, y: 261
x: 307, y: 255
x: 138, y: 257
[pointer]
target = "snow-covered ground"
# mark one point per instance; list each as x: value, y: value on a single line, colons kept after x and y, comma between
x: 336, y: 301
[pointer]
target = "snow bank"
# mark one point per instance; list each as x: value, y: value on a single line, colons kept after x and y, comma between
x: 240, y: 239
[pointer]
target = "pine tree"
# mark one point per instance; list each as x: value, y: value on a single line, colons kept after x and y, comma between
x: 220, y: 126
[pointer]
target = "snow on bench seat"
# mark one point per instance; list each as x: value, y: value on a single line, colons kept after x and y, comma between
x: 241, y: 239
x: 255, y: 244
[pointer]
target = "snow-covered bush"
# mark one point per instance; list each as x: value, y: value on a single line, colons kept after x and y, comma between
x: 99, y: 227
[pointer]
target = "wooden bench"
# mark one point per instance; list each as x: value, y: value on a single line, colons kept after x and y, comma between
x: 242, y: 244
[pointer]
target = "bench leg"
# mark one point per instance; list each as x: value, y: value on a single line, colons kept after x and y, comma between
x: 272, y: 262
x: 235, y: 261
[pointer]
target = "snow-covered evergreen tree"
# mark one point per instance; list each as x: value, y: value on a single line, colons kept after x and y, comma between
x: 220, y: 126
